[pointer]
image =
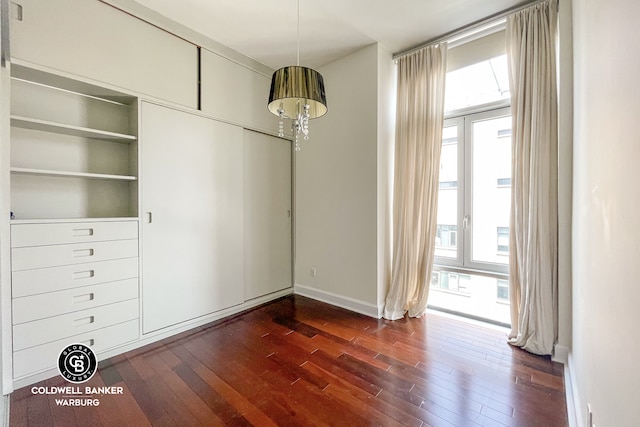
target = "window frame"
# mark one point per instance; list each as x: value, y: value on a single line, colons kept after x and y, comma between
x: 464, y: 120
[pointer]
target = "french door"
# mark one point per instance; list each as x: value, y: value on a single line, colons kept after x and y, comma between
x: 472, y: 237
x: 475, y: 192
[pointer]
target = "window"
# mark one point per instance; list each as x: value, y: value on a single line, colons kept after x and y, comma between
x: 447, y: 281
x: 479, y: 296
x: 470, y: 212
x: 477, y: 84
x: 435, y: 279
x: 448, y: 184
x: 503, y: 240
x: 446, y: 235
x: 472, y: 233
x: 504, y: 133
x: 503, y: 290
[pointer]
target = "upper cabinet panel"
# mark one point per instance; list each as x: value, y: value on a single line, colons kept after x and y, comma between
x: 234, y: 93
x: 91, y: 39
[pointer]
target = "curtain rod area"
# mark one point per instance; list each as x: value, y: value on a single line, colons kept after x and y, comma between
x: 468, y: 28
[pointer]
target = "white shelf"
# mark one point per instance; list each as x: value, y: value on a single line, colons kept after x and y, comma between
x: 47, y: 126
x: 44, y: 172
x: 73, y: 220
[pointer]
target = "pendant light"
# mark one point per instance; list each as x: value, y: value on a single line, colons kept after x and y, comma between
x: 297, y: 94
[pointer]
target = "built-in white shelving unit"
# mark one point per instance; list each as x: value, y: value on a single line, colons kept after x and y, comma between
x: 74, y: 148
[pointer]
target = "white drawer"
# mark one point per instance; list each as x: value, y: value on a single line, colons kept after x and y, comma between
x: 27, y: 309
x: 43, y: 357
x: 73, y: 232
x: 77, y: 253
x: 41, y: 280
x: 43, y: 331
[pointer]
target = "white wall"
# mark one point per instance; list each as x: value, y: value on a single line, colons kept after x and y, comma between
x: 386, y: 137
x: 336, y: 188
x: 606, y: 200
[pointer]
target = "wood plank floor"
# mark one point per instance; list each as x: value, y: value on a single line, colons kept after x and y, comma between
x: 299, y: 362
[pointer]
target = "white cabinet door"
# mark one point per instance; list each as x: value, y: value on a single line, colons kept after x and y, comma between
x: 267, y: 214
x: 236, y: 94
x: 99, y: 42
x: 192, y: 204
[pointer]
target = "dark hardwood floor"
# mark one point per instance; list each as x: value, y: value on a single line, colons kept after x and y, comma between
x: 299, y: 362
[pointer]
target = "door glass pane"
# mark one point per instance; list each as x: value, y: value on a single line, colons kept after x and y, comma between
x: 491, y: 192
x: 479, y: 296
x: 447, y: 229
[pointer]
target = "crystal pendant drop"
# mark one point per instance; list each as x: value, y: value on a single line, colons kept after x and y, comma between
x: 305, y: 122
x: 297, y: 143
x: 281, y: 129
x: 281, y: 122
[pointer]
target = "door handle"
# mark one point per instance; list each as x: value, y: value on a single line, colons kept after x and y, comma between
x: 5, y: 46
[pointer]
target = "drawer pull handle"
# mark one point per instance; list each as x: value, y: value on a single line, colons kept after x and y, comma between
x: 16, y: 11
x: 89, y: 342
x: 82, y: 232
x: 84, y: 321
x: 80, y: 253
x: 83, y: 274
x: 83, y: 298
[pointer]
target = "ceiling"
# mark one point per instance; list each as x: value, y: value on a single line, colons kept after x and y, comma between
x: 265, y: 30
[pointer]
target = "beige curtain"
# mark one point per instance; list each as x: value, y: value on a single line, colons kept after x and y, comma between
x: 419, y: 120
x: 531, y: 43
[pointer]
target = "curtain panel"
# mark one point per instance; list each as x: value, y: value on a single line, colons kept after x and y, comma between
x: 533, y: 253
x: 419, y: 121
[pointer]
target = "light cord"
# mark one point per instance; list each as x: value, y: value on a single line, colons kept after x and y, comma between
x: 298, y: 55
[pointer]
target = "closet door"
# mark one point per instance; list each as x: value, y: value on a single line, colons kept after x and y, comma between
x: 192, y: 234
x: 234, y: 93
x: 267, y: 218
x: 94, y: 40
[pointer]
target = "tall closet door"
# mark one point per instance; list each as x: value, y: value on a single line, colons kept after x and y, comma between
x: 267, y: 219
x: 192, y: 203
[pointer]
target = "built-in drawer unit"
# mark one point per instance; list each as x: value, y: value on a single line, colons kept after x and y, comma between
x: 43, y: 357
x: 76, y: 253
x: 41, y: 280
x: 72, y: 282
x: 41, y: 306
x: 60, y: 233
x: 34, y: 333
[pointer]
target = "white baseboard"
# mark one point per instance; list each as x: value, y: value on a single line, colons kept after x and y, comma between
x: 4, y: 410
x: 560, y: 354
x: 339, y: 300
x: 574, y: 405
